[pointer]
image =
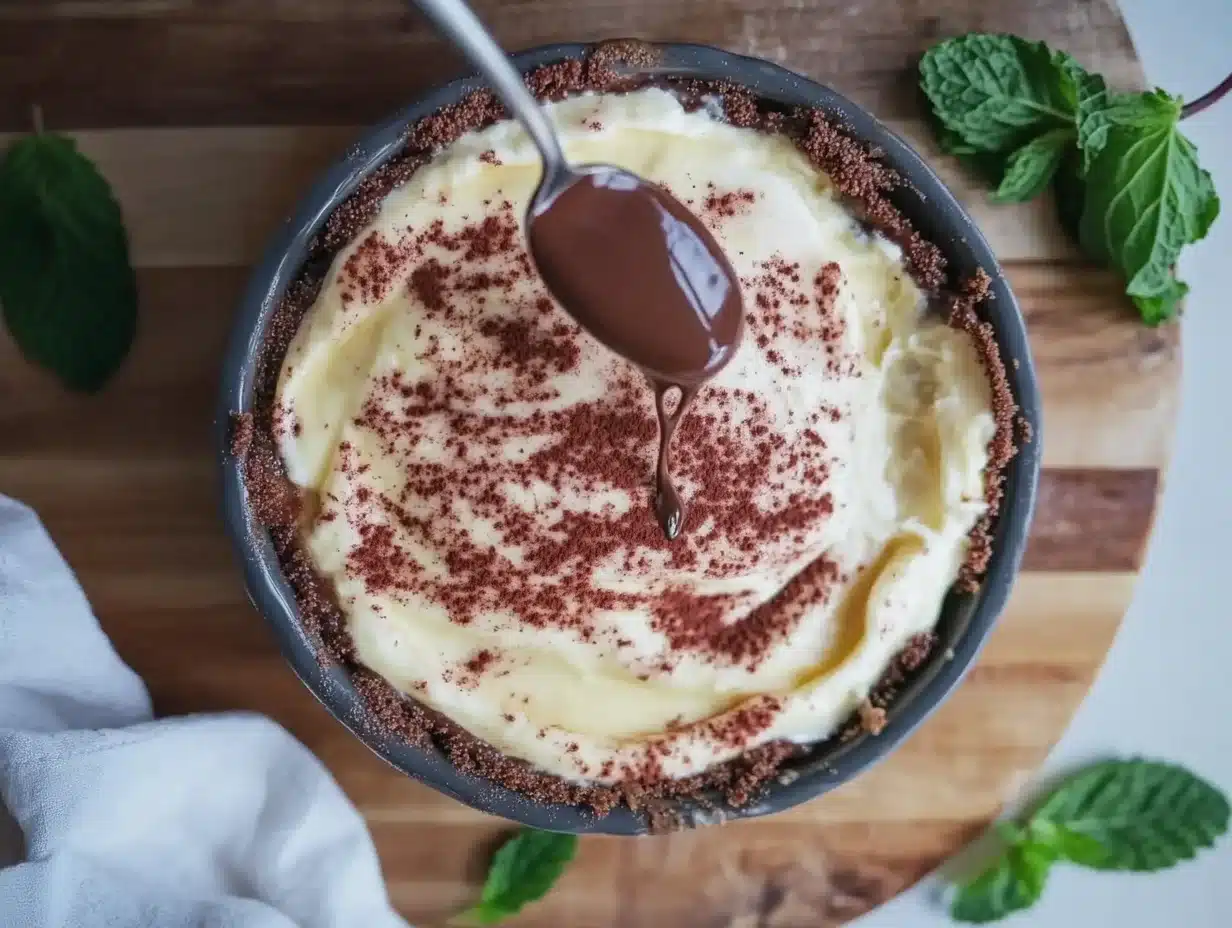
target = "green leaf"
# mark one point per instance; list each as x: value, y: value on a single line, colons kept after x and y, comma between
x: 1164, y: 305
x: 478, y: 915
x: 992, y: 895
x: 1012, y: 884
x: 1032, y: 861
x: 1082, y: 91
x: 67, y: 291
x: 995, y: 92
x: 1031, y: 168
x: 1079, y: 848
x: 523, y: 870
x: 1132, y: 110
x: 1143, y: 815
x: 1128, y: 184
x: 1118, y: 815
x: 1060, y: 842
x: 1146, y: 198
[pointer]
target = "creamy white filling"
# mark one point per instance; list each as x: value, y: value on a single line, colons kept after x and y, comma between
x: 898, y: 400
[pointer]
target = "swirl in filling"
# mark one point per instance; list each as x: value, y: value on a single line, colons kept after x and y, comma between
x: 483, y: 468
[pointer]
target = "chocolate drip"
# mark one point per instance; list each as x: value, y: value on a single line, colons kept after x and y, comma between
x: 668, y: 508
x: 643, y: 275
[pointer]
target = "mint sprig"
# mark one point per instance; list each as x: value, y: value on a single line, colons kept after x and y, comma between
x: 68, y: 294
x: 1146, y: 197
x: 1031, y: 168
x: 1117, y: 815
x: 995, y: 92
x: 1143, y: 815
x: 522, y: 871
x: 1015, y: 882
x: 1128, y: 183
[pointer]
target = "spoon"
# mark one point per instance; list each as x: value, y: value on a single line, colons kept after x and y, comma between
x: 627, y: 260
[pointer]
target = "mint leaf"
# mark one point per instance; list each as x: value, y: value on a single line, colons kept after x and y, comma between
x: 1031, y: 861
x: 523, y: 870
x: 1082, y: 91
x: 1164, y: 305
x: 67, y: 291
x: 1118, y: 815
x: 1012, y: 884
x: 995, y: 92
x: 1085, y: 94
x: 1134, y: 110
x: 992, y: 895
x: 1142, y: 815
x: 480, y: 914
x: 1031, y: 168
x: 1128, y: 185
x: 1063, y: 843
x: 1079, y: 848
x: 1146, y: 198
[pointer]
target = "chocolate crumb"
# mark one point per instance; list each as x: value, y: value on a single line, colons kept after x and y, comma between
x: 963, y: 307
x: 241, y: 434
x: 865, y: 181
x: 360, y: 208
x: 916, y: 652
x: 872, y: 718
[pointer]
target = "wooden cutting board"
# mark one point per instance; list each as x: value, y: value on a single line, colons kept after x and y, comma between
x: 211, y: 116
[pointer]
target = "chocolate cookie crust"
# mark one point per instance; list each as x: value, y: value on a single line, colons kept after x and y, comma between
x: 864, y: 181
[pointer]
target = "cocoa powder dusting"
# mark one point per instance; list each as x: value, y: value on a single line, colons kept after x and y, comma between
x: 551, y: 586
x: 481, y: 661
x: 733, y: 452
x: 728, y: 204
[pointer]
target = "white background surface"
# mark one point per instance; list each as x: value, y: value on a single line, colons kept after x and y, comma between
x: 1166, y: 689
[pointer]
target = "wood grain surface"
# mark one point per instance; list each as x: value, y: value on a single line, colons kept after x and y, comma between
x: 210, y: 117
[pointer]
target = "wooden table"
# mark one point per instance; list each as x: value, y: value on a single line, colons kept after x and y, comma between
x: 210, y: 117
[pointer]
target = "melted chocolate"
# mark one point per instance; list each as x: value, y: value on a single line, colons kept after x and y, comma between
x: 642, y: 274
x: 668, y: 508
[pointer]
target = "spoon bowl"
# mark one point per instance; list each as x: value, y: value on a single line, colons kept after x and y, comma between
x: 638, y: 271
x: 609, y: 243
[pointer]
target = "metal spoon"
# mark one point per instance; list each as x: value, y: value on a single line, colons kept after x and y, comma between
x: 458, y: 21
x: 630, y: 263
x: 697, y: 325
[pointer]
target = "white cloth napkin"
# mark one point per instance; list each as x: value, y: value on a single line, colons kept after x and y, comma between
x: 212, y: 820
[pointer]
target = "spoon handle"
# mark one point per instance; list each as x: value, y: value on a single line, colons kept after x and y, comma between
x: 456, y: 20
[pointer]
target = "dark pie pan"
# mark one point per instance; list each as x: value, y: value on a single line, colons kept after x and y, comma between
x: 966, y: 618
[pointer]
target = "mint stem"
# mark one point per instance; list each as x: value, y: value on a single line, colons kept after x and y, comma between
x: 1207, y: 99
